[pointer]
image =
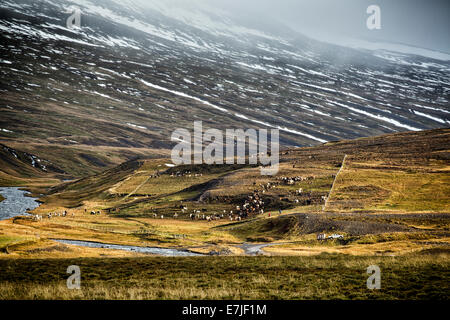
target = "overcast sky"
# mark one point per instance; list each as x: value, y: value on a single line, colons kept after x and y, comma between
x: 422, y: 23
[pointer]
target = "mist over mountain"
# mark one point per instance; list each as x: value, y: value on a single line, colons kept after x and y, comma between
x: 137, y: 70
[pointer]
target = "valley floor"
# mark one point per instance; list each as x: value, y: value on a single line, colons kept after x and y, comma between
x: 327, y: 276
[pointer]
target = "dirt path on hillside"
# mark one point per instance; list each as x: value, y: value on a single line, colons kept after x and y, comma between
x: 334, y: 181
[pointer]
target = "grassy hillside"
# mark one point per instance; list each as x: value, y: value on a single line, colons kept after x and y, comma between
x: 373, y: 187
x: 18, y: 168
x: 91, y: 187
x: 398, y: 173
x: 81, y: 160
x: 390, y: 197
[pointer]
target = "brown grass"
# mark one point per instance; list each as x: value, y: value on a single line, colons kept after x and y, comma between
x: 423, y: 276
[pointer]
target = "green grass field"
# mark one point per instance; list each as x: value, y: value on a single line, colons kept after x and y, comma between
x: 325, y: 276
x: 405, y: 189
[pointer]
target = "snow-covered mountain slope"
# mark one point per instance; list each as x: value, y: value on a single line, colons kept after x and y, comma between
x: 136, y: 70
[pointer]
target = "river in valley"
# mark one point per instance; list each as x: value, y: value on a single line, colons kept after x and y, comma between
x: 16, y: 202
x: 169, y: 252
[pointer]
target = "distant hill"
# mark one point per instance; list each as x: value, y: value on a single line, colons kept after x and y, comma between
x: 88, y: 99
x: 404, y: 172
x: 17, y: 167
